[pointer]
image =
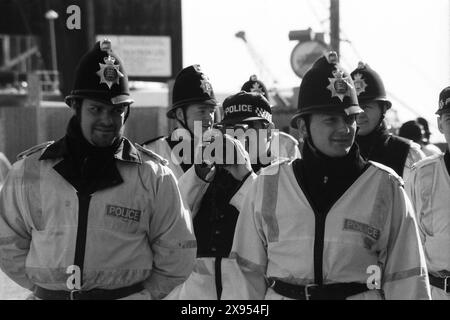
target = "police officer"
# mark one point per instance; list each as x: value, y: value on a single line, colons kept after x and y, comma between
x: 374, y: 141
x: 193, y: 102
x: 88, y: 216
x: 428, y: 187
x: 330, y: 225
x: 427, y: 147
x: 215, y: 193
x: 287, y: 145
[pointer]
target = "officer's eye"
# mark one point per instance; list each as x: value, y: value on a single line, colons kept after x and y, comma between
x: 96, y: 109
x: 330, y: 119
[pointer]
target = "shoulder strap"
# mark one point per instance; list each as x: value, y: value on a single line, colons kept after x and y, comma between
x: 34, y: 149
x: 153, y: 155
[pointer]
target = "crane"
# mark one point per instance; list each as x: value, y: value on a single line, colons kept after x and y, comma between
x: 264, y: 72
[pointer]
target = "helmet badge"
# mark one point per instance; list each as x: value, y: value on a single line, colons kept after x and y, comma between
x: 206, y: 85
x: 109, y: 72
x: 339, y: 86
x: 257, y: 88
x: 360, y: 84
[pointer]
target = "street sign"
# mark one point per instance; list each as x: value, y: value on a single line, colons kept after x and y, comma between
x: 305, y: 54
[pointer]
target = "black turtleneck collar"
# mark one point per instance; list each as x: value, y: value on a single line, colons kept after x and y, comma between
x: 368, y: 143
x: 321, y: 164
x: 89, y: 168
x: 325, y: 179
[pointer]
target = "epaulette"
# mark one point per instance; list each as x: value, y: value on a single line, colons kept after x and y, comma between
x: 152, y: 154
x: 389, y: 170
x: 152, y: 140
x: 274, y: 166
x: 34, y: 149
x: 427, y: 161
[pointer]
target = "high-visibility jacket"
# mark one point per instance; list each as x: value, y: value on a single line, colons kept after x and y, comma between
x: 284, y: 146
x: 370, y: 233
x: 202, y: 283
x: 429, y: 190
x: 137, y: 229
x: 161, y: 147
x: 431, y: 150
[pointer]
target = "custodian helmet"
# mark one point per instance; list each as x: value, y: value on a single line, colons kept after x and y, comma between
x: 368, y: 85
x: 326, y: 88
x: 100, y: 75
x: 191, y: 86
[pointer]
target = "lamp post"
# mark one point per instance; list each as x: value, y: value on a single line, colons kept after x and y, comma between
x: 51, y: 15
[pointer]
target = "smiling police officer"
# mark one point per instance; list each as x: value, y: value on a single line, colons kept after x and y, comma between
x: 88, y: 216
x: 193, y: 101
x: 320, y: 226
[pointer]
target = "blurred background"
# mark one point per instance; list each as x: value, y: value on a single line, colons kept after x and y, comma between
x: 406, y: 41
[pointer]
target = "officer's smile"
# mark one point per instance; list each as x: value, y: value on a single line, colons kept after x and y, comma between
x: 104, y: 130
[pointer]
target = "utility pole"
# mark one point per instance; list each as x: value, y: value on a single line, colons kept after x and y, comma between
x: 51, y: 15
x: 334, y: 26
x: 90, y: 23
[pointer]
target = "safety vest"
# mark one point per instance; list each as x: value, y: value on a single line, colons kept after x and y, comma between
x: 136, y: 230
x: 369, y: 236
x: 161, y: 147
x: 429, y: 190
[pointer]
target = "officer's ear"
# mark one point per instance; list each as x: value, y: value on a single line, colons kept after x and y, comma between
x: 439, y: 123
x: 383, y: 107
x: 179, y: 114
x: 75, y: 105
x: 302, y: 127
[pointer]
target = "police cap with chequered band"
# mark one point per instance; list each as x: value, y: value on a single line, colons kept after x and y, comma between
x: 326, y: 88
x: 191, y: 86
x: 255, y: 85
x: 444, y: 101
x: 246, y: 106
x: 100, y: 75
x: 368, y: 85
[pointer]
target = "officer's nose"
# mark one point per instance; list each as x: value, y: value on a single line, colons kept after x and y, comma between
x: 344, y: 126
x: 106, y: 118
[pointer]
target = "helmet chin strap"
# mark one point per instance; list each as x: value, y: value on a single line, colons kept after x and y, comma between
x: 183, y: 122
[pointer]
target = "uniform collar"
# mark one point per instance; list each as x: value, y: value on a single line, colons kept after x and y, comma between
x: 126, y: 151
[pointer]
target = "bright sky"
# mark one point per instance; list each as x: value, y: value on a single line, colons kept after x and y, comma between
x: 405, y: 41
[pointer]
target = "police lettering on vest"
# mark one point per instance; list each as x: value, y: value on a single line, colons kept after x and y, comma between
x: 125, y: 213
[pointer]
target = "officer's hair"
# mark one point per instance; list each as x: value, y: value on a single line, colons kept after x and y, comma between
x: 76, y: 104
x: 383, y: 105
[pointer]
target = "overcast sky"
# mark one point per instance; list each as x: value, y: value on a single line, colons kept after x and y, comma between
x: 405, y: 41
